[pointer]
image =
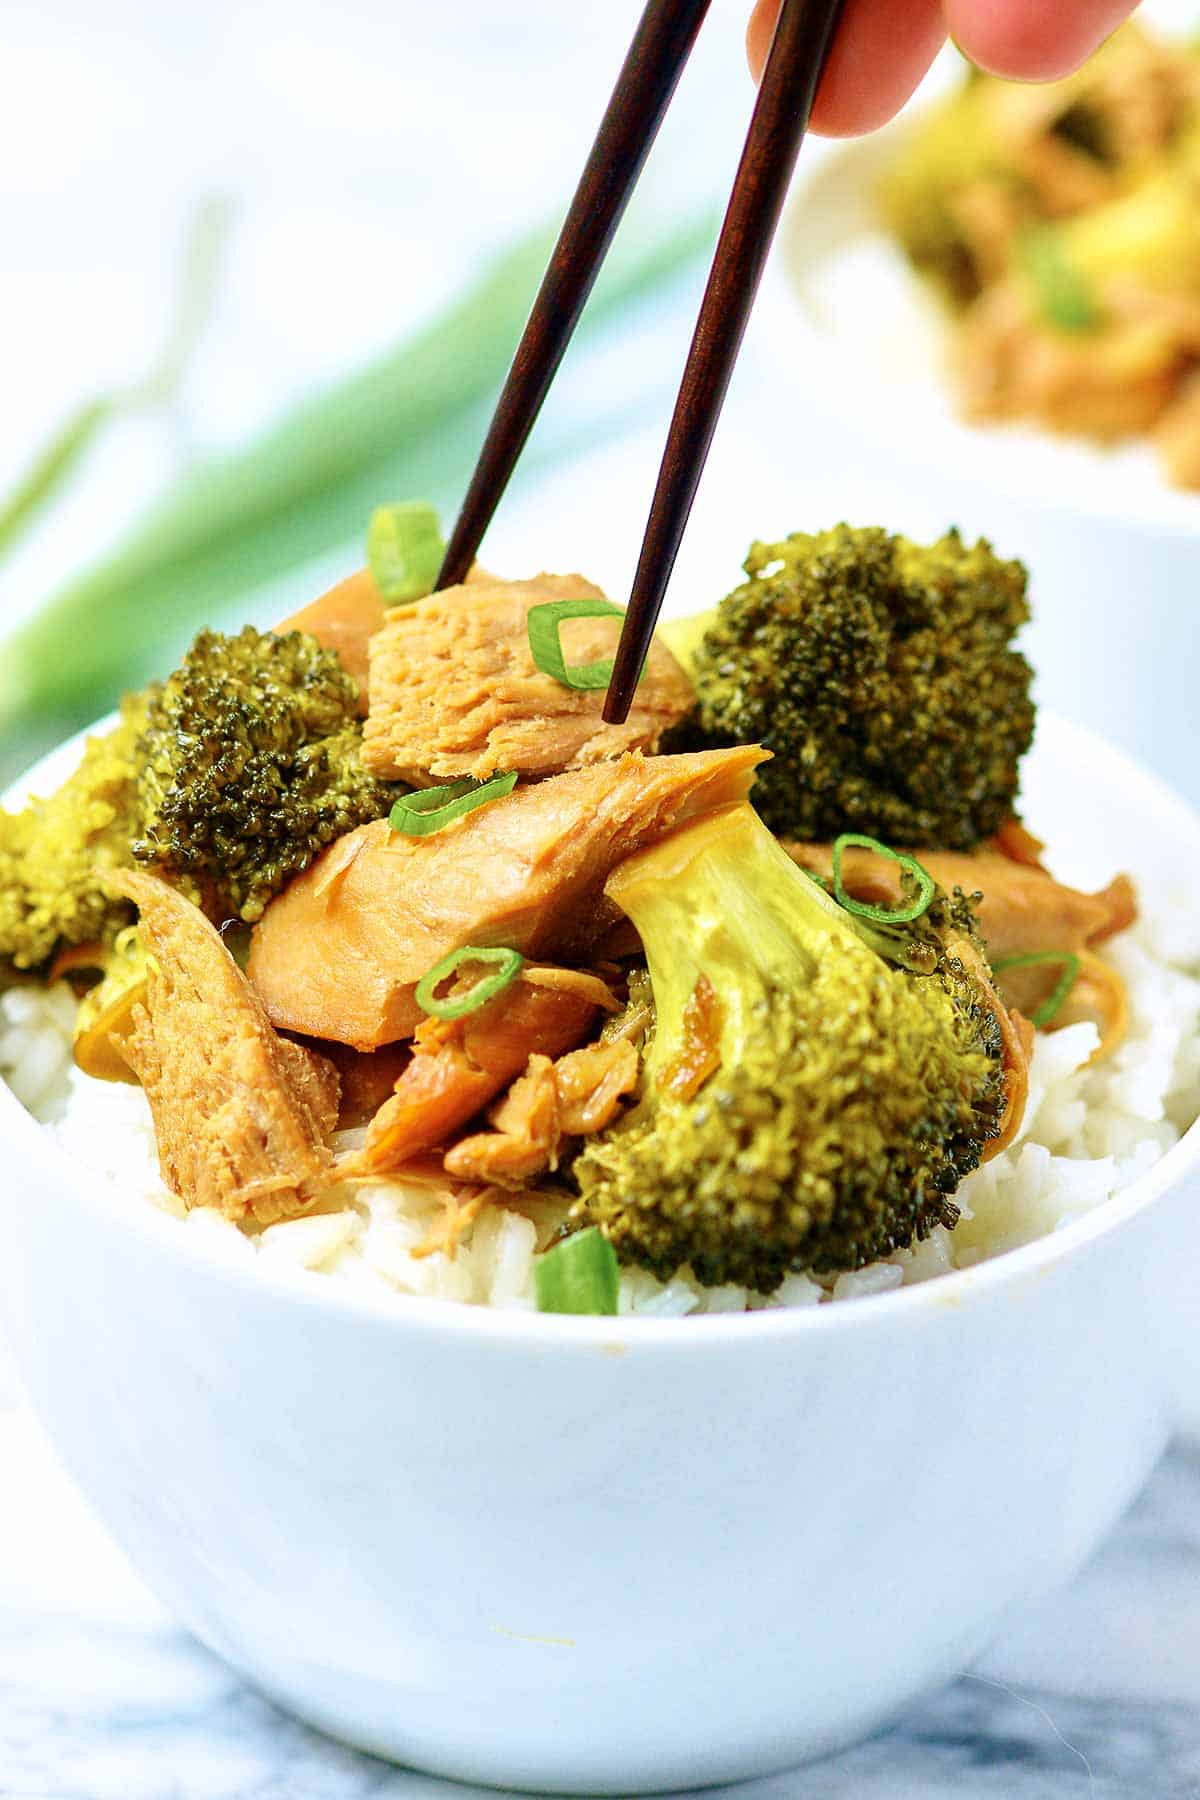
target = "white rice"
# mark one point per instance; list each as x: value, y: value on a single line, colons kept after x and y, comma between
x: 1087, y: 1133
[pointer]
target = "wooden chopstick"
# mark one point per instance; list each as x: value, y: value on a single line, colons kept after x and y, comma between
x: 801, y: 45
x: 660, y: 48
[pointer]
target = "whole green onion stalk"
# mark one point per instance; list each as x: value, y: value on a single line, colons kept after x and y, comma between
x: 56, y: 460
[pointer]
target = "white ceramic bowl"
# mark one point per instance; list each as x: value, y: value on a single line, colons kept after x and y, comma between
x: 596, y: 1554
x: 1113, y: 549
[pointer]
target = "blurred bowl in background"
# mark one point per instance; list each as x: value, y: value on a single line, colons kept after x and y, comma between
x: 1113, y: 551
x: 585, y: 1555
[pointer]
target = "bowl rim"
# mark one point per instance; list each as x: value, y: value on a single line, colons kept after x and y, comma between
x: 159, y: 1231
x: 987, y: 455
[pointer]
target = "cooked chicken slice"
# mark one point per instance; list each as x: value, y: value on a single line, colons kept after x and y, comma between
x: 344, y: 620
x: 339, y: 953
x: 242, y: 1117
x: 458, y: 1065
x: 1097, y: 994
x: 579, y: 1093
x: 1023, y: 908
x: 1015, y: 841
x: 1023, y: 911
x: 455, y: 690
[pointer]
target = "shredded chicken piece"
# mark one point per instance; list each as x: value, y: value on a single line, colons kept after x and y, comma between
x: 458, y: 1065
x: 592, y: 1082
x: 525, y: 1137
x: 242, y: 1116
x: 460, y: 1208
x: 572, y: 981
x: 700, y: 1053
x: 578, y: 1094
x: 455, y: 690
x: 339, y: 953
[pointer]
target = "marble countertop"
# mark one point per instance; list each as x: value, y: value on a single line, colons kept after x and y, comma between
x: 103, y: 1697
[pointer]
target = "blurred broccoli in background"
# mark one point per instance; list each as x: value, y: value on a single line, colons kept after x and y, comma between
x: 805, y: 1103
x: 249, y: 766
x: 976, y: 170
x: 880, y: 673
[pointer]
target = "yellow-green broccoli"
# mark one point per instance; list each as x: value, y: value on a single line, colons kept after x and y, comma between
x: 805, y: 1102
x: 51, y: 853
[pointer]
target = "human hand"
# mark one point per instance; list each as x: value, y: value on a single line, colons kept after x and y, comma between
x: 884, y: 47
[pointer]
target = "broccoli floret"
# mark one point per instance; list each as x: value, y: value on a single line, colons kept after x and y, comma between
x: 882, y: 676
x: 52, y: 851
x: 250, y: 766
x: 805, y: 1103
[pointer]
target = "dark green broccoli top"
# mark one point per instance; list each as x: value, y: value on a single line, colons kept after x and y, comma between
x: 881, y: 674
x: 250, y: 766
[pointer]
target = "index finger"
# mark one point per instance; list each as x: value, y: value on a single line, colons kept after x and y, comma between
x: 1033, y: 42
x: 882, y: 49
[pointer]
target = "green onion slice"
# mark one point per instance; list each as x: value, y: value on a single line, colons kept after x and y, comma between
x: 545, y: 645
x: 405, y: 550
x: 1050, y: 1008
x: 1063, y: 295
x: 579, y: 1275
x: 509, y: 964
x: 427, y: 810
x: 881, y: 915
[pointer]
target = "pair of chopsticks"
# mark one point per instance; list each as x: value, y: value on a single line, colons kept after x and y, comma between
x: 648, y: 78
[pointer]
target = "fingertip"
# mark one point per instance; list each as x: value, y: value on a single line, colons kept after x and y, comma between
x: 882, y: 50
x: 880, y: 56
x: 758, y: 34
x: 1027, y: 43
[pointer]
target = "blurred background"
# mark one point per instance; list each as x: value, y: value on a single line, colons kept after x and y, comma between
x: 272, y: 200
x: 264, y: 269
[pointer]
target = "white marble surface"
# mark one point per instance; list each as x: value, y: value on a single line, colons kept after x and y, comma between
x: 1095, y: 1695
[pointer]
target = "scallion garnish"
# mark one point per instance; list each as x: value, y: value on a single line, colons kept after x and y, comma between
x: 1064, y: 296
x: 427, y: 810
x: 579, y: 1275
x: 882, y: 915
x: 545, y: 645
x: 1050, y: 1008
x: 405, y: 550
x: 509, y: 964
